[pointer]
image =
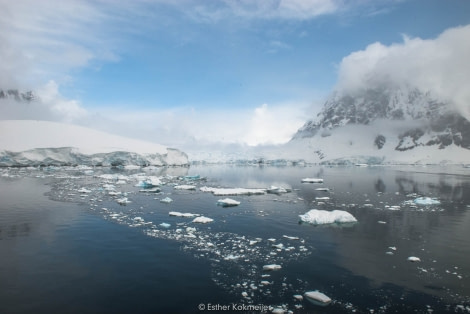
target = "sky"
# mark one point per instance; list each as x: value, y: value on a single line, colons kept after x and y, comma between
x: 249, y: 72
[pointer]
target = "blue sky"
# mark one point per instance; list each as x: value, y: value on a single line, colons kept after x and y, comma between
x: 172, y: 68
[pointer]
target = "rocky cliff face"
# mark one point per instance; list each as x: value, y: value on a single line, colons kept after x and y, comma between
x: 423, y: 120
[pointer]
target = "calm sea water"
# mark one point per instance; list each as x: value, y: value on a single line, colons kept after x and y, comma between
x: 63, y: 251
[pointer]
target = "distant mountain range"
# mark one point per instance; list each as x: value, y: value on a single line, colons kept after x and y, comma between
x: 384, y: 121
x: 17, y: 95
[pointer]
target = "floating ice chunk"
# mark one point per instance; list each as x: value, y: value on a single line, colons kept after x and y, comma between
x: 322, y: 198
x: 381, y: 222
x: 298, y: 297
x: 277, y: 190
x: 114, y: 193
x: 279, y: 246
x: 227, y: 202
x: 165, y: 225
x: 271, y: 267
x: 190, y: 229
x: 151, y: 190
x: 322, y: 189
x: 317, y: 298
x: 413, y: 259
x: 394, y: 248
x: 185, y: 215
x: 123, y: 201
x: 166, y: 200
x: 231, y: 257
x: 278, y: 310
x: 362, y: 165
x: 244, y: 294
x: 265, y: 282
x: 290, y: 238
x: 202, y: 220
x: 311, y: 180
x: 320, y: 217
x: 185, y: 187
x: 232, y: 191
x: 192, y: 178
x: 426, y: 201
x: 83, y: 190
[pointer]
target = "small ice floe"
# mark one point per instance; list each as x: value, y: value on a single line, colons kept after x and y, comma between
x: 426, y: 201
x: 320, y: 217
x: 228, y: 202
x: 322, y: 198
x: 312, y: 180
x: 114, y: 193
x: 278, y: 310
x: 317, y: 298
x: 202, y: 220
x: 290, y: 238
x: 393, y: 207
x: 381, y: 222
x: 298, y: 297
x: 322, y: 189
x: 271, y: 267
x: 277, y: 190
x: 123, y: 201
x: 232, y: 191
x: 166, y: 200
x: 83, y: 190
x: 151, y: 190
x: 362, y: 165
x: 185, y: 187
x: 413, y: 259
x: 185, y: 215
x: 279, y: 246
x: 165, y: 225
x: 192, y: 178
x: 393, y: 248
x: 265, y: 283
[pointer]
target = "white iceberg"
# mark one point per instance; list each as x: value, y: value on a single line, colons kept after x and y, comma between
x: 414, y: 259
x: 426, y: 201
x: 277, y: 190
x: 321, y: 217
x: 317, y: 298
x: 123, y: 201
x: 185, y: 187
x: 165, y: 225
x: 232, y: 191
x: 311, y: 180
x: 271, y: 267
x: 166, y: 200
x: 202, y: 220
x: 228, y: 202
x: 186, y: 215
x: 83, y: 190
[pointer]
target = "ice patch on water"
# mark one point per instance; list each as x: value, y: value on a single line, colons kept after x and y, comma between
x: 228, y: 202
x: 202, y: 220
x: 426, y: 201
x: 321, y: 217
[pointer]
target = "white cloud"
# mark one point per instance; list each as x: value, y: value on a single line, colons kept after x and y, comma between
x: 438, y: 65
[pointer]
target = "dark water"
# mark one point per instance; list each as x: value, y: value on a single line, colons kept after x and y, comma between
x: 68, y: 252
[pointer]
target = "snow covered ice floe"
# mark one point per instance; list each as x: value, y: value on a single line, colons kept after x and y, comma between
x: 232, y: 191
x: 312, y: 180
x: 227, y: 202
x: 271, y: 267
x: 185, y: 215
x: 320, y: 217
x: 277, y: 190
x: 426, y: 201
x: 123, y: 201
x: 185, y: 187
x: 413, y: 259
x: 165, y: 225
x: 202, y: 220
x: 166, y: 200
x: 317, y: 298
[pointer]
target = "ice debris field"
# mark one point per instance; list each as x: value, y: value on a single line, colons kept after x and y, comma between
x: 245, y: 265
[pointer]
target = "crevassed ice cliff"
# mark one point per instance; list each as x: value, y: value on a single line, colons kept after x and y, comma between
x: 42, y: 143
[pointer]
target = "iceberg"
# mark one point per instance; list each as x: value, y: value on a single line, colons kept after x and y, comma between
x: 317, y: 298
x: 202, y: 220
x: 165, y: 225
x: 186, y: 215
x: 321, y: 217
x: 311, y: 180
x: 166, y: 200
x: 413, y: 259
x: 277, y: 190
x: 185, y: 187
x: 232, y: 191
x: 426, y: 201
x: 123, y: 201
x: 228, y: 202
x: 271, y: 267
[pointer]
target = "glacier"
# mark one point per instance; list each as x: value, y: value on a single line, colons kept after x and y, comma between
x: 26, y: 143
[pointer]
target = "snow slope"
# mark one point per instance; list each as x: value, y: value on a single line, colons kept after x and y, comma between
x: 31, y: 142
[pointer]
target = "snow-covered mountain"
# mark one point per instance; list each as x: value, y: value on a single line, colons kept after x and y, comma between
x: 34, y: 143
x: 385, y: 125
